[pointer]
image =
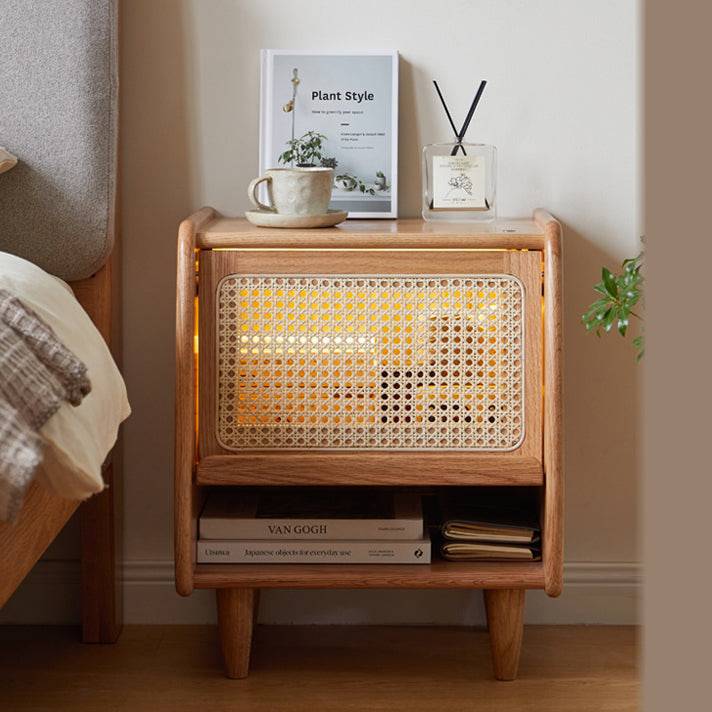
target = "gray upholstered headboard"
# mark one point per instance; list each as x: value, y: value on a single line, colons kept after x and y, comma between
x: 58, y: 115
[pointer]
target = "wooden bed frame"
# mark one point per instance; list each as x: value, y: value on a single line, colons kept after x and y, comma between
x: 44, y: 514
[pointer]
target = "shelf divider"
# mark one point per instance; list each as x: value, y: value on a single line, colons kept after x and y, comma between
x: 363, y: 467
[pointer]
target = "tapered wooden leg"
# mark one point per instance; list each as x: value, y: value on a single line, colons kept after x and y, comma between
x: 102, y: 597
x: 237, y: 614
x: 255, y: 606
x: 505, y: 621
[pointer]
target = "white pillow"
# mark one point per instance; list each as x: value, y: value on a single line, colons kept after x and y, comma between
x: 77, y: 439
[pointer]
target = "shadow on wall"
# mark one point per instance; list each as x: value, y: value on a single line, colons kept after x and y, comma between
x: 602, y: 408
x: 156, y: 194
x: 409, y: 142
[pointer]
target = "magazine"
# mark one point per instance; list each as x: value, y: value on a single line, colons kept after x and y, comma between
x: 337, y: 110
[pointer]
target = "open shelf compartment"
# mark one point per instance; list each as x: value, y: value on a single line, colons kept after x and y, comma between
x: 438, y: 574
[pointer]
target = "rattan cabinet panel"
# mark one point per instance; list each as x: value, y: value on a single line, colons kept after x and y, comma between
x: 426, y: 351
x: 370, y: 362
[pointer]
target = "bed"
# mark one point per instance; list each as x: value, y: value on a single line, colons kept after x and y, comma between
x: 58, y: 89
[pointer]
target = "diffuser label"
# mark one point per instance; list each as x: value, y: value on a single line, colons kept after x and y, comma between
x: 459, y: 183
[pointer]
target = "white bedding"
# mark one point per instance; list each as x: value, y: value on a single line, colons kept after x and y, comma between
x: 77, y: 439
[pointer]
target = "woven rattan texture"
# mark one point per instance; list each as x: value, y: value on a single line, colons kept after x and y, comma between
x: 370, y: 362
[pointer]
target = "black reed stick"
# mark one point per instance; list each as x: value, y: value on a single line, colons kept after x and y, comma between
x: 449, y: 117
x: 468, y: 119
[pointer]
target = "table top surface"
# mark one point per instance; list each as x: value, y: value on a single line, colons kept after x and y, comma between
x: 411, y: 233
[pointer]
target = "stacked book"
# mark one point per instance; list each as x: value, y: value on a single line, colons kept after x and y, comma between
x: 488, y: 531
x: 313, y: 527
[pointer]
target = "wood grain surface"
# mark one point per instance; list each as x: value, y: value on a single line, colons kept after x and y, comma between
x: 42, y: 516
x: 237, y: 611
x: 319, y: 668
x: 101, y: 516
x: 553, y: 510
x: 439, y: 574
x: 505, y: 623
x: 299, y: 467
x: 187, y: 500
x: 224, y: 232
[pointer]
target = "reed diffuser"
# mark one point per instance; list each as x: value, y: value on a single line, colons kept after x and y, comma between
x: 460, y: 179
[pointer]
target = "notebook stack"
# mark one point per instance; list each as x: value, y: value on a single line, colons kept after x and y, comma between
x: 313, y: 527
x: 488, y: 531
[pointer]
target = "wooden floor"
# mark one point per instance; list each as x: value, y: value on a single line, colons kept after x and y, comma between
x: 176, y: 668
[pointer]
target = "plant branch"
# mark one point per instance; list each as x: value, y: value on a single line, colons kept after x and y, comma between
x: 619, y: 294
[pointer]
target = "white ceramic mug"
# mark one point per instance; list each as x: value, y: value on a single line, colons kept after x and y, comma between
x: 295, y: 191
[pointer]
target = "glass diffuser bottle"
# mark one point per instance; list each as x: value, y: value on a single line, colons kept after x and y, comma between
x: 460, y: 179
x: 459, y: 182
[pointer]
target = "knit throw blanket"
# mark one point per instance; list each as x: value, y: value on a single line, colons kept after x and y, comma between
x: 37, y: 374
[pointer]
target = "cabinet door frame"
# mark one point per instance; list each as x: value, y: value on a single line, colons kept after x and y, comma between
x: 522, y: 465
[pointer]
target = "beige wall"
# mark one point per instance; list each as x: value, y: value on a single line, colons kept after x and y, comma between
x: 562, y: 108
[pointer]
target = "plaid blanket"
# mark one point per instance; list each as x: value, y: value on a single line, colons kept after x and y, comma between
x: 37, y: 374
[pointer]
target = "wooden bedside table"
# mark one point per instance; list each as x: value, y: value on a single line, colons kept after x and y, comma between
x: 307, y: 340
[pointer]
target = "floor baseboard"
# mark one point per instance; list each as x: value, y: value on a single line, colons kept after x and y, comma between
x: 594, y: 593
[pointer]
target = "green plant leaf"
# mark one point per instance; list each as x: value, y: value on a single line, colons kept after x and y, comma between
x: 623, y: 318
x: 609, y: 282
x: 609, y: 318
x: 619, y: 294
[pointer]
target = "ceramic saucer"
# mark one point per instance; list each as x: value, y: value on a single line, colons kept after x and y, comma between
x: 266, y: 218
